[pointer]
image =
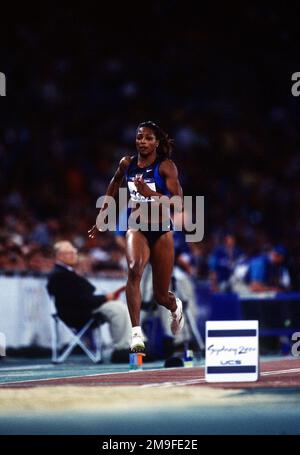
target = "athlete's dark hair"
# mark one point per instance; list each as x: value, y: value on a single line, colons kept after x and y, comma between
x: 165, y: 147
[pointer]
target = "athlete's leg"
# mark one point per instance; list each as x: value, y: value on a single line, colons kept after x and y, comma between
x: 162, y: 260
x: 137, y: 254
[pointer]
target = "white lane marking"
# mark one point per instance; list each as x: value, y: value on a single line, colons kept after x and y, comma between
x: 33, y: 367
x: 275, y: 372
x: 83, y: 376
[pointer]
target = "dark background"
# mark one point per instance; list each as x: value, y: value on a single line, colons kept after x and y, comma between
x: 216, y: 78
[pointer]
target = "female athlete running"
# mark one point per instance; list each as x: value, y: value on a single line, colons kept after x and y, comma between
x: 149, y: 174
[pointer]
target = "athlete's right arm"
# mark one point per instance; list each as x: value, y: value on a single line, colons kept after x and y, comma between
x: 113, y: 187
x: 117, y: 179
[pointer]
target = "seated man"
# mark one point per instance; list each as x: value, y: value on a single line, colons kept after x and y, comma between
x: 268, y: 273
x: 76, y: 302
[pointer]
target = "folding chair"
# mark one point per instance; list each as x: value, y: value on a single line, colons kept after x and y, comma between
x: 76, y: 337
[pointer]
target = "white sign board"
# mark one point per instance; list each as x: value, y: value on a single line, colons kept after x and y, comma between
x: 231, y: 351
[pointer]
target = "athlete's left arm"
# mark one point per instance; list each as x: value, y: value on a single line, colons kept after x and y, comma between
x: 169, y: 170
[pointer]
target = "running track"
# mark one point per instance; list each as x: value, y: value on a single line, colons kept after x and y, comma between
x: 273, y: 374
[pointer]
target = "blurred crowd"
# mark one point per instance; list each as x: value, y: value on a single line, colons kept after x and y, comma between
x: 78, y: 85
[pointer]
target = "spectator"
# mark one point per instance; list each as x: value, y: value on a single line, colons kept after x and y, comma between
x: 267, y: 272
x: 222, y: 262
x: 75, y: 300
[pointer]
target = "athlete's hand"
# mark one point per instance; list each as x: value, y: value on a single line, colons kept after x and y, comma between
x: 92, y: 232
x: 142, y: 187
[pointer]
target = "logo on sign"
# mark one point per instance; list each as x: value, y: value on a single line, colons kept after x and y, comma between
x: 231, y: 362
